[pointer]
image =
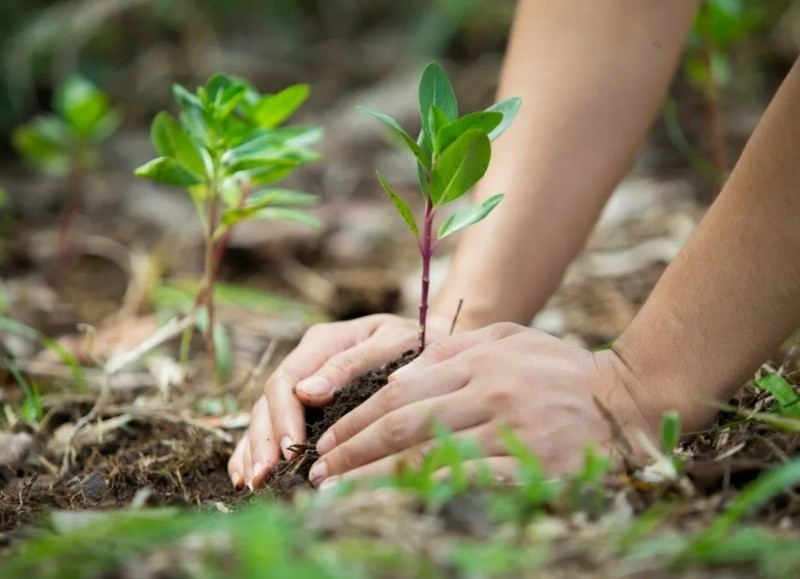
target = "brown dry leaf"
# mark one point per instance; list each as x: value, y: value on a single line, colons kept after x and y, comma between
x: 103, y: 343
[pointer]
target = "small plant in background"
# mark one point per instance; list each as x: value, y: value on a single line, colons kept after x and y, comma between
x: 452, y: 154
x: 718, y: 27
x: 65, y: 144
x: 226, y: 148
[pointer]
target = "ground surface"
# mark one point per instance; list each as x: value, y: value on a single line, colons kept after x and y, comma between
x: 157, y: 433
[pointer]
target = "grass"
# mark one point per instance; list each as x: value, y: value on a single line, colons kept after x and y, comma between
x: 443, y: 527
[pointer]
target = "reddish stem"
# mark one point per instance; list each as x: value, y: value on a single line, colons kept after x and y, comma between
x: 714, y: 120
x: 426, y: 249
x: 67, y: 220
x: 222, y: 244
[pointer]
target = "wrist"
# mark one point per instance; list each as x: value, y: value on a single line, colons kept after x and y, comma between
x: 659, y: 386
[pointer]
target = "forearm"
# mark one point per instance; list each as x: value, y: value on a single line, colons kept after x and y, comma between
x: 733, y: 293
x: 591, y: 77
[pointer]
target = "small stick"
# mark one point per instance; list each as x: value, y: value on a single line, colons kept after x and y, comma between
x: 168, y: 331
x: 455, y: 317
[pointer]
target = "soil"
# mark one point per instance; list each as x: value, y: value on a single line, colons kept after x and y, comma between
x: 292, y: 474
x: 159, y: 462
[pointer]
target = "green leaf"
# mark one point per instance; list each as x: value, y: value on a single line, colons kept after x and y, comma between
x: 186, y: 100
x: 259, y: 200
x: 229, y: 100
x: 81, y: 104
x: 435, y: 89
x: 670, y: 431
x: 770, y: 484
x: 482, y: 121
x: 509, y: 109
x: 195, y: 124
x: 272, y: 110
x: 273, y: 148
x: 169, y: 172
x: 283, y: 197
x: 423, y: 158
x: 468, y: 216
x: 290, y: 215
x: 460, y: 167
x: 784, y: 394
x: 437, y: 121
x: 45, y: 143
x: 171, y: 140
x: 401, y: 206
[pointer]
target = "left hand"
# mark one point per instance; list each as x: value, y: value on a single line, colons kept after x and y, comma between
x: 477, y: 383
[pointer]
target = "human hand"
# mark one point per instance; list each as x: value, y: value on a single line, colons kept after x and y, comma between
x: 478, y: 383
x: 327, y: 358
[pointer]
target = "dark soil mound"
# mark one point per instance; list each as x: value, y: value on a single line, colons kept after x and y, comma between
x: 290, y: 475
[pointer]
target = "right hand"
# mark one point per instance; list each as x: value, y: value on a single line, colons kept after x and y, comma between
x: 327, y: 358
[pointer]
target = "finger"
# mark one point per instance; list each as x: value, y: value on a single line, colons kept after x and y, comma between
x: 286, y: 414
x: 435, y: 381
x: 484, y: 435
x: 318, y: 344
x: 264, y: 453
x: 344, y: 367
x: 236, y: 463
x: 398, y: 431
x: 451, y: 346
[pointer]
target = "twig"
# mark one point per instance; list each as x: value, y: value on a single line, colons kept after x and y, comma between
x: 455, y: 317
x: 165, y: 333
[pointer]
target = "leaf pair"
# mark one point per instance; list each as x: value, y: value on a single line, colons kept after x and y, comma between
x: 452, y: 152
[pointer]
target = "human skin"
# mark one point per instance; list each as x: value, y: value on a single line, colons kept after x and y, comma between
x: 591, y: 77
x: 729, y: 298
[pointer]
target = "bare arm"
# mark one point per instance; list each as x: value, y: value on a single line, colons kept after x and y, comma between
x: 728, y: 299
x: 591, y: 76
x: 733, y: 293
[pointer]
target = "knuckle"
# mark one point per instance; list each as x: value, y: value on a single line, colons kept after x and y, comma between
x: 500, y: 397
x: 317, y: 330
x: 346, y: 364
x: 339, y: 461
x: 397, y: 430
x: 436, y: 351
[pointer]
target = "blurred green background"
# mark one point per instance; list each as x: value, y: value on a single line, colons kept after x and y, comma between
x: 137, y: 48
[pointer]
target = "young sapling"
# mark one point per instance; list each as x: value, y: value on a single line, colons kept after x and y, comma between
x: 65, y: 144
x: 452, y: 154
x: 227, y: 149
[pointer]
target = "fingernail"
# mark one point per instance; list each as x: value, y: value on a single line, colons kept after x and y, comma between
x: 286, y: 442
x: 402, y: 371
x: 315, y: 386
x: 237, y: 480
x: 326, y: 443
x: 258, y: 473
x: 318, y: 473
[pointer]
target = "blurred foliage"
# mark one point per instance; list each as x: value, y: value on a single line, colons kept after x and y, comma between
x: 117, y: 43
x: 66, y: 140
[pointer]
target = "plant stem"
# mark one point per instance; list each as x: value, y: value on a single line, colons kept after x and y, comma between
x: 208, y: 281
x: 222, y: 244
x: 714, y: 120
x: 67, y: 220
x: 426, y: 249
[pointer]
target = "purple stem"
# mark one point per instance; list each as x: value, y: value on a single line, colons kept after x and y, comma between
x: 426, y: 249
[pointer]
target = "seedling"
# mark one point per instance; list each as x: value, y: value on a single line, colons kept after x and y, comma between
x: 65, y: 144
x: 719, y: 26
x: 226, y: 149
x: 452, y: 154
